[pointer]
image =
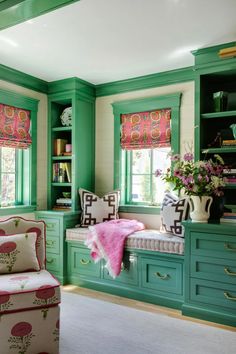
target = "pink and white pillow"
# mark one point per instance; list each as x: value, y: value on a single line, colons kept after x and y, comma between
x: 18, y: 253
x: 96, y: 210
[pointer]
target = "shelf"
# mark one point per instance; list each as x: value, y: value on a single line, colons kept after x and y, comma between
x: 230, y: 185
x: 219, y: 114
x: 61, y: 184
x: 62, y: 129
x: 59, y: 158
x: 222, y: 150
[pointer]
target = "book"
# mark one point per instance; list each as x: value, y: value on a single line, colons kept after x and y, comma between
x: 64, y: 201
x: 230, y: 179
x: 68, y: 171
x: 229, y: 214
x: 232, y: 141
x: 225, y: 220
x: 59, y: 146
x: 228, y: 171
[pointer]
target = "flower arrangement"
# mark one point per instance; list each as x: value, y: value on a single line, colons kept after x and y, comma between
x: 200, y: 178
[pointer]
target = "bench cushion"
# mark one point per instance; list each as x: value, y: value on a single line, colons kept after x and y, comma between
x: 28, y: 290
x: 146, y: 239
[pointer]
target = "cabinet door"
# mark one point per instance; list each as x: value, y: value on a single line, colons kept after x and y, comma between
x: 82, y: 264
x: 129, y: 271
x: 160, y: 275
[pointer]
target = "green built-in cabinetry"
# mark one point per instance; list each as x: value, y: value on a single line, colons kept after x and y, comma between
x: 146, y: 275
x: 56, y: 252
x: 215, y: 76
x: 80, y: 134
x: 210, y: 272
x: 79, y: 95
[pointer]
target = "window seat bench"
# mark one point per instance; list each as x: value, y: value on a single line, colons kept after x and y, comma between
x: 152, y: 268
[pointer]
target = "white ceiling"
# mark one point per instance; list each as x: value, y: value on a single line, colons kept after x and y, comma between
x: 102, y: 41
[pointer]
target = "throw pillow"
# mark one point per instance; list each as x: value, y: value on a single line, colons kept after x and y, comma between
x: 173, y: 211
x: 96, y: 210
x: 18, y: 253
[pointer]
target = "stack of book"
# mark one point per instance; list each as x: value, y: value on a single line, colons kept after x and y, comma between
x: 63, y: 204
x: 61, y: 172
x: 226, y: 143
x: 228, y: 217
x: 230, y: 175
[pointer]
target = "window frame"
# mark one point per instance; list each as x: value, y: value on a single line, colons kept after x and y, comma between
x: 26, y: 188
x: 171, y: 101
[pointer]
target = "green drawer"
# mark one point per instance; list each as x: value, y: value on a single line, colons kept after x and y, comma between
x: 52, y: 226
x: 53, y: 244
x: 217, y: 269
x: 213, y: 293
x: 210, y: 245
x: 82, y: 263
x: 162, y: 275
x: 52, y: 262
x: 129, y: 271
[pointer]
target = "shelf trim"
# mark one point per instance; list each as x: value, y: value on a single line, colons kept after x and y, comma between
x: 55, y: 158
x: 61, y: 184
x: 61, y: 129
x: 218, y: 114
x: 218, y: 150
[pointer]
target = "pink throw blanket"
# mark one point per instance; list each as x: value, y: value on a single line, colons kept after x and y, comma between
x: 106, y: 240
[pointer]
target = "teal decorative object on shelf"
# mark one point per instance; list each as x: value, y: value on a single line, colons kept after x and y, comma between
x: 233, y: 127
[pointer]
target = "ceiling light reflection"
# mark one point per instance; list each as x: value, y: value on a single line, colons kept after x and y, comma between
x: 9, y: 41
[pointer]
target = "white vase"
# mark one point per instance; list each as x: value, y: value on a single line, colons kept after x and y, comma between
x: 200, y: 208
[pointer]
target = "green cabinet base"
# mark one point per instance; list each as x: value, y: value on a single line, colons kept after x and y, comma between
x: 146, y: 275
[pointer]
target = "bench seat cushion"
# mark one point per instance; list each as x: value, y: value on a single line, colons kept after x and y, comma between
x: 28, y: 290
x: 147, y: 239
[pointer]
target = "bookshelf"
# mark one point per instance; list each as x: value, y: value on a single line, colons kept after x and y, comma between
x: 214, y: 75
x: 77, y: 167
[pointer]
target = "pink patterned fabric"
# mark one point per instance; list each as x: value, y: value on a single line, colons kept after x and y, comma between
x: 145, y: 130
x: 14, y: 127
x: 106, y: 240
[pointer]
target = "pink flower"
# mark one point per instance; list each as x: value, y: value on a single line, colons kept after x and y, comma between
x: 21, y: 329
x: 158, y: 172
x: 188, y: 156
x: 7, y: 247
x: 4, y: 297
x: 175, y: 157
x: 45, y: 292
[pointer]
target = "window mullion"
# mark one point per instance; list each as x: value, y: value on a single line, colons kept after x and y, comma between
x: 150, y: 176
x: 0, y: 176
x: 129, y: 176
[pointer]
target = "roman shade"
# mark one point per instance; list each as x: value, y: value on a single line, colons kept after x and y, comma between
x: 145, y: 130
x: 14, y: 127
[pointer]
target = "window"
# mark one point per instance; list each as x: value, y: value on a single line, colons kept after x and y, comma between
x: 143, y: 187
x: 17, y: 164
x: 134, y: 169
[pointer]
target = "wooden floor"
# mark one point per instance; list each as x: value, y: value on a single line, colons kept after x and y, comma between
x: 139, y: 305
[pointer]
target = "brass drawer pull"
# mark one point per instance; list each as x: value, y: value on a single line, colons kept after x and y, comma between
x: 50, y: 225
x: 229, y: 297
x: 163, y: 277
x: 229, y: 248
x: 228, y: 272
x: 49, y: 261
x: 82, y: 261
x: 50, y: 243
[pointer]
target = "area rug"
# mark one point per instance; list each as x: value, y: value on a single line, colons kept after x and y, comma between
x: 93, y: 326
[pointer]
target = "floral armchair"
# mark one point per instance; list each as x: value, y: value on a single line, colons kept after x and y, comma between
x: 29, y: 294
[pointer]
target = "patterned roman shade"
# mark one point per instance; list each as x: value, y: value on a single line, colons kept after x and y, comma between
x: 14, y: 127
x: 145, y: 130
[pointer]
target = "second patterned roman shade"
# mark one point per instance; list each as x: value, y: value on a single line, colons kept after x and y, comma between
x: 145, y: 130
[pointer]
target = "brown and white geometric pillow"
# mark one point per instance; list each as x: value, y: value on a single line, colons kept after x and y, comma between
x: 173, y: 212
x: 96, y: 210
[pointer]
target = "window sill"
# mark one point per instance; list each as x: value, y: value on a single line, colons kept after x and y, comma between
x: 17, y: 209
x: 140, y: 209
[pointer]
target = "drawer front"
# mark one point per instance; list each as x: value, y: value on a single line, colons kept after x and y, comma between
x: 129, y: 271
x: 213, y: 293
x: 210, y: 245
x: 162, y: 275
x: 217, y: 269
x: 53, y: 244
x: 82, y: 263
x: 52, y: 226
x: 53, y: 262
